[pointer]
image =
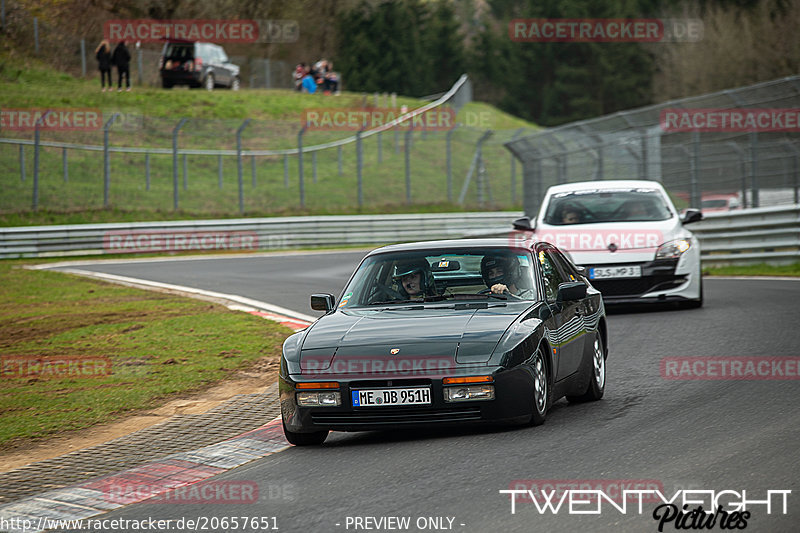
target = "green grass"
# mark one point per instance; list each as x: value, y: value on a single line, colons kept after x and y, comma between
x: 159, y: 346
x: 214, y: 119
x: 762, y: 269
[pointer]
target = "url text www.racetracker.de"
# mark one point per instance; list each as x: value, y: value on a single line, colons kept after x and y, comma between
x: 686, y: 509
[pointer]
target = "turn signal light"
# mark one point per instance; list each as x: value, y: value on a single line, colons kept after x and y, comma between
x: 318, y: 385
x: 468, y: 379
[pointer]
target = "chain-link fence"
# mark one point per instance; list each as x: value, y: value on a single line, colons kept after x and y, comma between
x: 219, y: 167
x: 705, y: 150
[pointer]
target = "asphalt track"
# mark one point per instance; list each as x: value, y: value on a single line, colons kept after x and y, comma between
x: 698, y: 435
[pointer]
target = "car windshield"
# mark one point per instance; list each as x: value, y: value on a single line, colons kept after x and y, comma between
x: 405, y: 277
x: 594, y: 205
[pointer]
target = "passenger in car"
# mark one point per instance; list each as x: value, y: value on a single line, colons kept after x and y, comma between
x: 502, y: 274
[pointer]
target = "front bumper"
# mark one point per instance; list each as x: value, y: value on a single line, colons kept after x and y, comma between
x: 512, y: 403
x: 659, y: 283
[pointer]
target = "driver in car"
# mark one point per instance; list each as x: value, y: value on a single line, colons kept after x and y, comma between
x: 415, y: 279
x: 502, y: 274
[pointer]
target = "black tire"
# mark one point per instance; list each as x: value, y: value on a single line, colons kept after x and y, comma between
x: 305, y: 439
x: 208, y: 83
x: 541, y: 389
x: 597, y: 374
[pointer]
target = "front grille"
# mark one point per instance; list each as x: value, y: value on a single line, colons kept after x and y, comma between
x: 390, y: 416
x: 637, y: 286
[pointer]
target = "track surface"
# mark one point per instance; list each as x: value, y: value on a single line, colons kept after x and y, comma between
x: 714, y: 435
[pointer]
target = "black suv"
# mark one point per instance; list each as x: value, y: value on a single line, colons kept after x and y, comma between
x: 197, y: 65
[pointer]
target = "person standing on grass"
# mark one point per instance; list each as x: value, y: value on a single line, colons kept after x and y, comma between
x: 103, y: 55
x: 122, y: 59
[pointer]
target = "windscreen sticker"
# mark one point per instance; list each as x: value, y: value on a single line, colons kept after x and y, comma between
x: 523, y: 260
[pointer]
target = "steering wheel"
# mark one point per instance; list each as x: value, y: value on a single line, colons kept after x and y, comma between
x: 382, y: 292
x: 485, y: 291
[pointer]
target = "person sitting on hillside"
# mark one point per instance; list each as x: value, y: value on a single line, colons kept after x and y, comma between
x: 308, y: 84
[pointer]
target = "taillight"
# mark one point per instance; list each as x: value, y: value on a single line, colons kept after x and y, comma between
x: 198, y: 64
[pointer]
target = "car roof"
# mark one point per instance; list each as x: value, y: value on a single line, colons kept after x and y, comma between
x: 605, y: 184
x: 435, y: 246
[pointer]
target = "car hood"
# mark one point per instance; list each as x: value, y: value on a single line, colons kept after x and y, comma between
x: 630, y: 241
x: 381, y: 341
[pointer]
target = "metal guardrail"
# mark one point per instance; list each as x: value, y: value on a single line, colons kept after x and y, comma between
x: 245, y: 234
x: 759, y: 235
x: 768, y: 234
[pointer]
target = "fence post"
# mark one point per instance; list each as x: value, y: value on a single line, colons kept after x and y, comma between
x: 359, y: 167
x: 64, y: 164
x: 408, y: 164
x: 300, y: 166
x: 175, y: 162
x: 449, y: 159
x: 314, y: 165
x: 396, y: 140
x: 219, y: 171
x: 83, y: 57
x: 239, y: 163
x: 645, y: 136
x: 185, y: 174
x: 754, y: 168
x: 380, y: 147
x: 339, y: 157
x: 139, y: 66
x: 514, y: 168
x: 3, y: 15
x: 473, y: 166
x: 107, y: 160
x: 36, y: 140
x: 253, y: 171
x: 267, y: 77
x: 694, y: 195
x: 394, y: 100
x: 286, y: 170
x: 36, y: 34
x: 22, y: 162
x: 147, y: 171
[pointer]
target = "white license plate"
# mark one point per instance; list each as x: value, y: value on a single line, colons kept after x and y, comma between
x: 615, y: 272
x: 384, y: 397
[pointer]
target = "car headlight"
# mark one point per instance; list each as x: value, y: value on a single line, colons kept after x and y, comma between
x: 469, y: 392
x: 319, y: 399
x: 673, y: 249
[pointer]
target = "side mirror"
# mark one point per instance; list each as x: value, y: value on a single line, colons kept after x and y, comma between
x: 322, y: 302
x: 523, y: 224
x: 581, y: 270
x: 692, y: 215
x: 571, y: 291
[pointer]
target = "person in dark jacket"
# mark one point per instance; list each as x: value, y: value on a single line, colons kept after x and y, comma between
x: 103, y: 55
x: 122, y: 59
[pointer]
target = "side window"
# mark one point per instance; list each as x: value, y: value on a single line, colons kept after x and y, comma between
x: 569, y: 272
x: 551, y: 275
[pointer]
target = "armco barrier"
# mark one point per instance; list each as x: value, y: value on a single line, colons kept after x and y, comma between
x: 245, y: 234
x: 768, y: 234
x: 760, y: 235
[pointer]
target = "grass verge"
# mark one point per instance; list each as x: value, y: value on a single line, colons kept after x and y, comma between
x: 159, y: 346
x: 762, y: 269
